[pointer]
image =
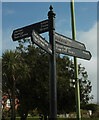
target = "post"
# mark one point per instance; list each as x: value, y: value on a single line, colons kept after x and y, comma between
x: 52, y: 65
x: 77, y: 91
x: 13, y: 102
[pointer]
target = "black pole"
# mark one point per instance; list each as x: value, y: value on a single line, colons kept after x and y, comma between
x: 53, y: 90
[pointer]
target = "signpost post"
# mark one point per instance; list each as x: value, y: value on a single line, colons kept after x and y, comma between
x: 52, y: 62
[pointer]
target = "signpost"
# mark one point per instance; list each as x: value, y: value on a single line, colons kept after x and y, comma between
x: 83, y: 54
x: 52, y: 66
x: 57, y: 43
x: 68, y: 41
x: 24, y: 32
x: 41, y: 42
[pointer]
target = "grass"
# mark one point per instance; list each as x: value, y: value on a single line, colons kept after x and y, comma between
x: 76, y: 119
x: 31, y: 118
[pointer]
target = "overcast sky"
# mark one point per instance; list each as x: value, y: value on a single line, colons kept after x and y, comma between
x: 19, y: 14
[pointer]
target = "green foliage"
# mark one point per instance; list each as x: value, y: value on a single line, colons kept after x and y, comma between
x: 30, y: 66
x: 85, y: 85
x: 13, y: 70
x: 93, y: 107
x: 33, y: 87
x: 65, y: 94
x: 59, y: 119
x: 84, y: 112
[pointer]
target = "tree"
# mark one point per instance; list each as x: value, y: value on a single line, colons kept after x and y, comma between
x: 65, y: 94
x: 13, y: 69
x: 85, y: 86
x: 38, y: 83
x: 33, y: 91
x: 39, y: 64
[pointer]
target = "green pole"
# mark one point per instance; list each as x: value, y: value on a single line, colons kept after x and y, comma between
x: 77, y: 90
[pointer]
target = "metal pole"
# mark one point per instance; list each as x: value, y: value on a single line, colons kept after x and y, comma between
x: 77, y: 90
x: 52, y: 62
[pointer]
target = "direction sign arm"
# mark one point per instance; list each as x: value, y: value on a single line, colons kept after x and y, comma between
x: 26, y: 31
x: 41, y: 42
x: 68, y: 41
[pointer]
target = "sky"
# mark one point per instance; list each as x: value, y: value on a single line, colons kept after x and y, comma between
x: 19, y: 14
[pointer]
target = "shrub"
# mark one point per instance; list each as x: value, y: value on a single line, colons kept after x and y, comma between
x: 93, y: 107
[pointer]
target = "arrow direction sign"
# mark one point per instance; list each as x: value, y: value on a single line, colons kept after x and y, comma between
x: 24, y: 32
x: 41, y: 42
x: 68, y: 42
x: 83, y: 54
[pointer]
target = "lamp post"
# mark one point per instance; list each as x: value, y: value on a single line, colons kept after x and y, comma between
x: 77, y: 91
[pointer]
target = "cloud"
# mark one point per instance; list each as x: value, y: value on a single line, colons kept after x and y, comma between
x: 89, y: 38
x: 0, y: 38
x: 0, y: 42
x: 9, y: 12
x: 84, y: 9
x: 0, y: 29
x: 7, y: 42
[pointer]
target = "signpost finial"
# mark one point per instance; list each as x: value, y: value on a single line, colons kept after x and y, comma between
x: 51, y: 8
x: 51, y: 13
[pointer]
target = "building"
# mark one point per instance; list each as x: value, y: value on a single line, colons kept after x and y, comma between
x: 6, y: 103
